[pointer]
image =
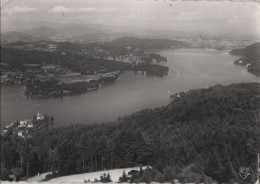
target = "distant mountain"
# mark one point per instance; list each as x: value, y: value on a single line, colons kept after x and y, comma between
x: 90, y: 32
x: 14, y: 36
x: 145, y: 43
x: 64, y: 32
x: 60, y: 30
x: 42, y: 31
x: 250, y: 57
x: 94, y: 32
x: 92, y: 37
x: 100, y: 36
x: 57, y: 33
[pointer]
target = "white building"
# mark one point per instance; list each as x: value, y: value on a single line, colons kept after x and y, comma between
x: 73, y: 74
x: 30, y: 125
x: 20, y: 134
x: 24, y: 122
x: 39, y: 116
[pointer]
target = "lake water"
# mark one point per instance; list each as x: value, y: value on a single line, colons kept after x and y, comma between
x: 132, y: 92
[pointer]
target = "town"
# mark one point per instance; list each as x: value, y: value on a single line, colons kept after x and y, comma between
x: 26, y: 128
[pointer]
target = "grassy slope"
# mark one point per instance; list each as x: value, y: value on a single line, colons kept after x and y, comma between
x: 114, y: 173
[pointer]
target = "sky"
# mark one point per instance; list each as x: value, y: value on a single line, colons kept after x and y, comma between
x: 222, y: 17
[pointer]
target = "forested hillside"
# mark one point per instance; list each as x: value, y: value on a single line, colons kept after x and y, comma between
x: 210, y: 133
x: 14, y: 60
x: 250, y: 52
x: 250, y: 57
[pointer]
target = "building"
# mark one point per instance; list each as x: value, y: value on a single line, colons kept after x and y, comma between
x: 30, y: 125
x: 20, y: 134
x: 73, y: 74
x: 3, y: 132
x: 39, y: 116
x: 48, y: 67
x: 23, y: 123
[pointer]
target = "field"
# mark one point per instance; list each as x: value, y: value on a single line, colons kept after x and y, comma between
x: 115, y: 175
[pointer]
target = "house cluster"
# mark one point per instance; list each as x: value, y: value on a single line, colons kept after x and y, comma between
x: 126, y: 55
x: 33, y: 72
x: 129, y: 59
x: 25, y: 128
x: 74, y: 78
x: 36, y: 73
x: 216, y: 43
x: 39, y: 46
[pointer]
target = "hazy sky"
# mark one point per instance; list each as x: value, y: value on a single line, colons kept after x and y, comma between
x: 209, y: 17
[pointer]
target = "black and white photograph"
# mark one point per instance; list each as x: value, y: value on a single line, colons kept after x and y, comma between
x: 130, y: 91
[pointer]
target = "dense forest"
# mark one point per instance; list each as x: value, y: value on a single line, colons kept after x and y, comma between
x: 250, y: 52
x: 201, y: 135
x: 250, y: 57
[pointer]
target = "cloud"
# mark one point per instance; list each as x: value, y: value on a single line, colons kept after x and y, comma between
x: 19, y: 10
x: 66, y: 10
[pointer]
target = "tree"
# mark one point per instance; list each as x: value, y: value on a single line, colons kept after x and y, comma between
x: 123, y: 178
x: 105, y: 178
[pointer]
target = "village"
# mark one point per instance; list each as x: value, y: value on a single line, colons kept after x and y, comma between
x: 98, y: 51
x: 203, y: 41
x: 26, y: 128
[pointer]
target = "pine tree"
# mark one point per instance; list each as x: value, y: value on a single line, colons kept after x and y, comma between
x: 123, y: 178
x: 141, y: 171
x: 105, y: 178
x: 108, y: 178
x: 52, y: 119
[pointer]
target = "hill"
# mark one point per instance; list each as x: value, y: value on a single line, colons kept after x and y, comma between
x: 210, y: 133
x: 250, y: 57
x: 250, y: 52
x: 43, y: 31
x: 64, y: 32
x: 54, y: 33
x: 14, y: 36
x: 144, y: 43
x: 15, y: 59
x: 92, y: 37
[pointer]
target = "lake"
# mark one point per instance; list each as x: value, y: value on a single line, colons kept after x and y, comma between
x: 189, y: 69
